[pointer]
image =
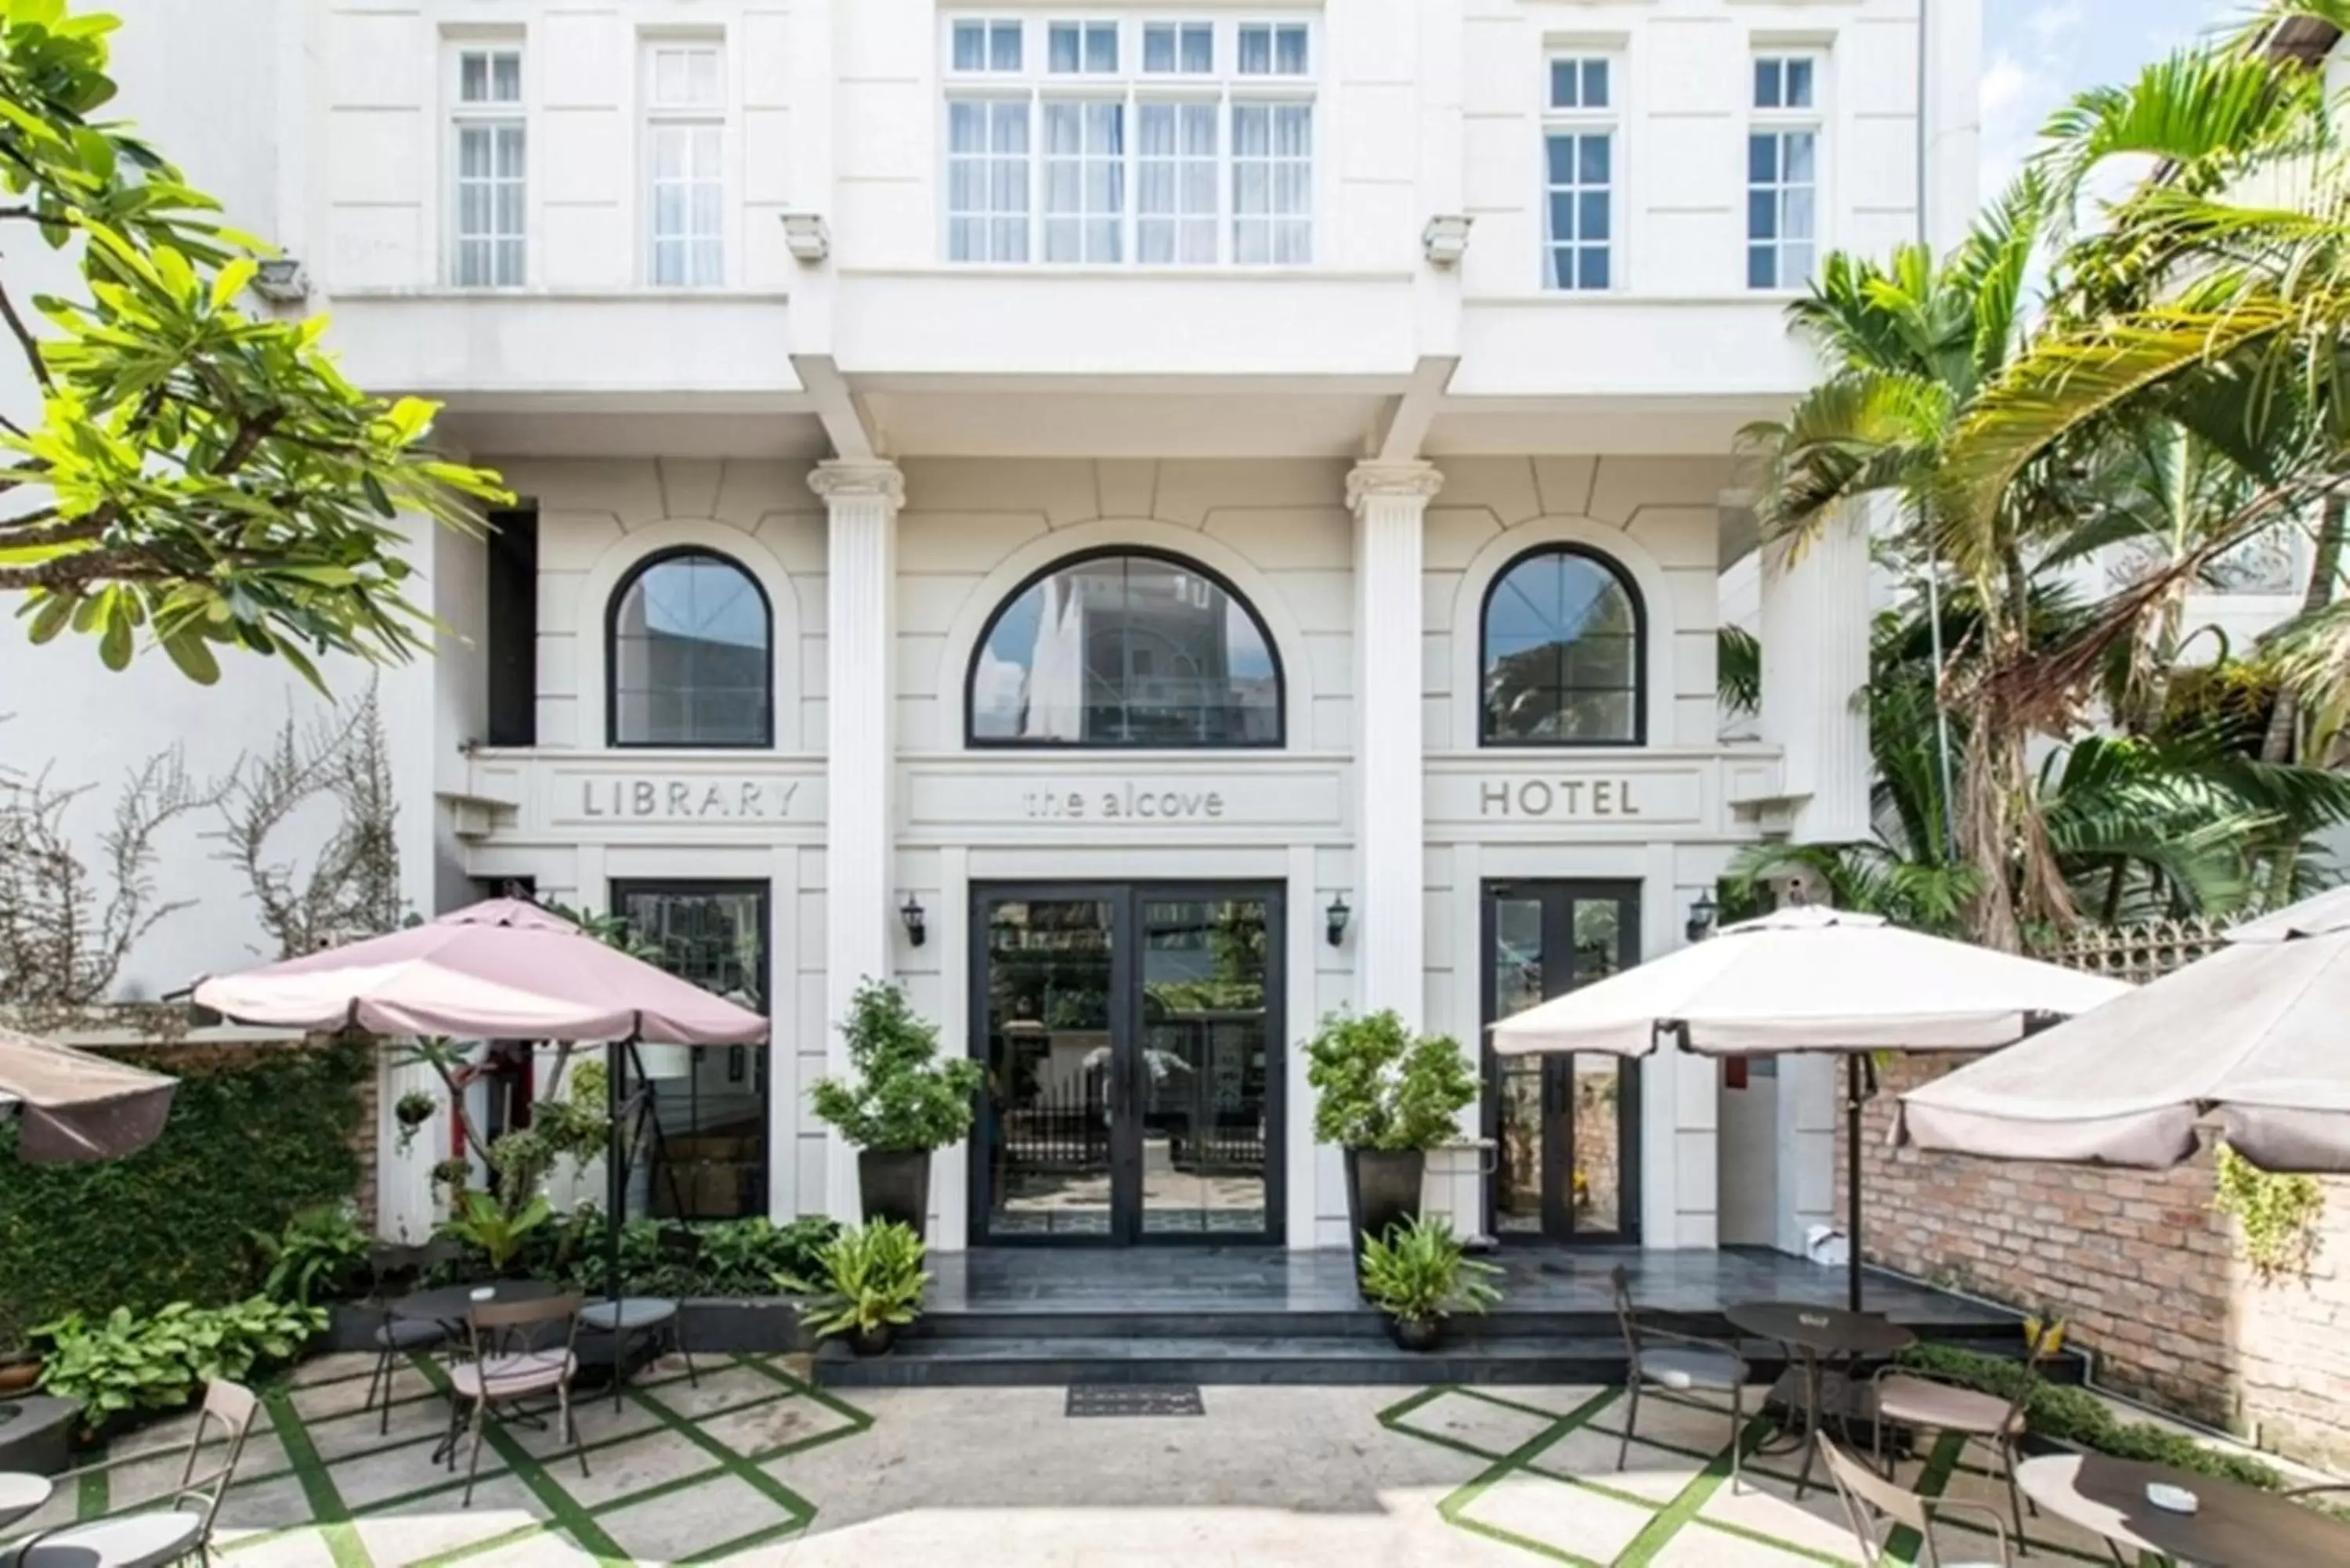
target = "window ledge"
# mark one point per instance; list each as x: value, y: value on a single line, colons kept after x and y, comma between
x: 1061, y: 272
x: 1590, y: 299
x: 441, y: 291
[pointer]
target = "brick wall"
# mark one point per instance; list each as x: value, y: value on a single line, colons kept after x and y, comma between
x: 2140, y: 1264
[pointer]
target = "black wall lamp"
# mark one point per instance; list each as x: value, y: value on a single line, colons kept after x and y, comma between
x: 917, y: 931
x: 1338, y: 914
x: 1700, y: 917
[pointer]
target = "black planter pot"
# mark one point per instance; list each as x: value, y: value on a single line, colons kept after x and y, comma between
x: 895, y: 1184
x: 1416, y: 1333
x: 875, y: 1341
x: 1382, y: 1190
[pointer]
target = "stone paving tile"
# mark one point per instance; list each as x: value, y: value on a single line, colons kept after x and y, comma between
x: 1559, y: 1513
x: 719, y: 1390
x: 1678, y: 1425
x: 761, y: 1429
x: 318, y: 1402
x: 271, y: 1505
x: 305, y: 1548
x: 1768, y: 1507
x: 264, y: 1455
x: 1489, y: 1428
x: 548, y: 1549
x: 1698, y: 1545
x: 596, y: 1421
x: 427, y: 1527
x: 627, y: 1468
x: 679, y: 1524
x: 378, y: 1477
x: 362, y: 1431
x: 1657, y: 1474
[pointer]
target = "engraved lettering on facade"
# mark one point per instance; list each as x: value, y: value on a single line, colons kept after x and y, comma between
x: 683, y: 800
x: 1555, y: 799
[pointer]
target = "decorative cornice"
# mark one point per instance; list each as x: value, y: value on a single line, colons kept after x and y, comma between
x: 848, y: 478
x: 1392, y: 481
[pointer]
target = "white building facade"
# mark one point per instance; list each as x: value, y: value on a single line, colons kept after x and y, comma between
x: 1146, y: 524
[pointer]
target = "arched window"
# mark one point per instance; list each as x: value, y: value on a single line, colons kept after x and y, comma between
x: 1562, y: 659
x: 690, y: 659
x: 1125, y: 649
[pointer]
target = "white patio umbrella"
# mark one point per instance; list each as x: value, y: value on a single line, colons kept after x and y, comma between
x: 1808, y: 979
x: 2250, y: 1036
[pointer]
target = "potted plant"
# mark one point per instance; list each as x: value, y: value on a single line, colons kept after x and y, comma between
x: 870, y: 1286
x: 1417, y: 1274
x: 1386, y: 1097
x: 901, y: 1104
x: 478, y: 1219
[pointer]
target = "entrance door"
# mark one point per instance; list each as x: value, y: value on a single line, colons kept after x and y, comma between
x: 1566, y: 1130
x: 1131, y: 1037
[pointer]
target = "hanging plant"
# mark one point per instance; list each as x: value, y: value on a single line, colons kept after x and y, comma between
x: 2277, y: 1213
x: 412, y: 1110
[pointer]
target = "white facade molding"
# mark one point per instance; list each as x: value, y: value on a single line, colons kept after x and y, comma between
x: 1389, y: 501
x: 591, y: 620
x: 861, y: 754
x: 1814, y: 637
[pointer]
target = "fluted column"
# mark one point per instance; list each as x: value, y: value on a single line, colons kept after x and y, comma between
x: 861, y: 499
x: 1389, y: 501
x: 1815, y: 668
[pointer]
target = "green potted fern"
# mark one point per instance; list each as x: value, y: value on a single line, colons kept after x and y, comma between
x: 902, y: 1103
x: 1386, y: 1097
x: 870, y: 1286
x: 1418, y: 1275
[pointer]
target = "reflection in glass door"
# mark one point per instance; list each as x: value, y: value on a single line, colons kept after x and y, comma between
x: 1130, y: 1038
x: 1566, y: 1128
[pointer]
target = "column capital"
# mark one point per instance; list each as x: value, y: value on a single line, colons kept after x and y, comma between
x: 854, y: 477
x: 1392, y: 481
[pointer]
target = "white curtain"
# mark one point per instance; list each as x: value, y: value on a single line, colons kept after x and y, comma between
x: 1175, y: 173
x: 1272, y: 184
x: 1084, y: 181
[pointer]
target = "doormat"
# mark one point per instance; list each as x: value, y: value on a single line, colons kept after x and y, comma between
x: 1135, y: 1399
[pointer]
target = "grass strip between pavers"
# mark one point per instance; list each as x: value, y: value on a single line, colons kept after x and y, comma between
x: 1452, y: 1509
x: 326, y: 1510
x: 564, y: 1512
x: 1683, y: 1508
x: 1904, y: 1544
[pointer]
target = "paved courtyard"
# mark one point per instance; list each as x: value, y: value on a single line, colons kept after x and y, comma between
x: 755, y: 1468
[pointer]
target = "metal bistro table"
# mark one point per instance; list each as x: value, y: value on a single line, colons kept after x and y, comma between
x: 450, y: 1305
x: 2234, y: 1526
x: 1819, y: 1334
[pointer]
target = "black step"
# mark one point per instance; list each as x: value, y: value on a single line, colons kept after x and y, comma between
x: 1329, y: 1359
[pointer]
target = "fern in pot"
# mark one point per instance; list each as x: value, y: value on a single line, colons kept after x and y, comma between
x: 1386, y: 1097
x: 900, y: 1103
x: 1418, y: 1275
x: 869, y: 1286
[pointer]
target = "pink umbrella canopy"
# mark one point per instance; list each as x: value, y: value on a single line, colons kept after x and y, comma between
x: 501, y: 969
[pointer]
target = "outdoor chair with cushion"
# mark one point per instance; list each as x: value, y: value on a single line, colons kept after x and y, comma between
x: 516, y: 1359
x: 1931, y: 1401
x: 395, y: 1338
x: 162, y: 1530
x: 646, y: 1317
x: 1678, y: 1368
x: 1876, y: 1506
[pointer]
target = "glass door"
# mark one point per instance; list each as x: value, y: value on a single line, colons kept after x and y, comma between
x: 1565, y: 1128
x: 1130, y: 1038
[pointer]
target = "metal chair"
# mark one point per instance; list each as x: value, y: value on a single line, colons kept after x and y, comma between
x: 633, y: 1317
x: 1685, y: 1364
x: 1937, y: 1402
x: 159, y: 1530
x: 394, y: 1338
x: 509, y: 1365
x: 1871, y: 1503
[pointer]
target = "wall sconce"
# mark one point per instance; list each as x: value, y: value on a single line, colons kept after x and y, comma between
x: 1445, y: 239
x: 281, y: 281
x: 1700, y: 917
x: 917, y: 931
x: 1338, y: 914
x: 806, y: 236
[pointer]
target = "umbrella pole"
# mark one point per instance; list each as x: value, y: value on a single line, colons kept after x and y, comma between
x: 1852, y: 1102
x: 616, y: 1176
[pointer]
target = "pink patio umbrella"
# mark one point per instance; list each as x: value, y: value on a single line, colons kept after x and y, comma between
x: 501, y: 969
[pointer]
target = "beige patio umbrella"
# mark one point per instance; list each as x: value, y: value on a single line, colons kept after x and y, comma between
x: 2251, y: 1037
x: 75, y: 1105
x: 1807, y: 979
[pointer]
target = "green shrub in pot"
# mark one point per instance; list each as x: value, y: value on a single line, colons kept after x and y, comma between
x: 1386, y: 1095
x: 902, y: 1101
x: 1418, y: 1275
x: 869, y: 1284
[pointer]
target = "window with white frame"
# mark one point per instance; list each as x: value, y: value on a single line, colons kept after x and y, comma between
x: 685, y: 146
x: 1580, y: 154
x: 1783, y: 171
x: 1108, y: 140
x: 486, y: 123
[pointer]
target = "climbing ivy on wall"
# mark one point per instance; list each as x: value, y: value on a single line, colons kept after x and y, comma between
x: 254, y: 1137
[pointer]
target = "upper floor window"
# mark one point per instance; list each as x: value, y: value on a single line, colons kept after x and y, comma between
x: 1125, y: 649
x: 690, y: 659
x: 1579, y: 173
x: 486, y: 125
x: 1562, y: 653
x: 685, y: 143
x: 1782, y: 174
x: 1110, y: 141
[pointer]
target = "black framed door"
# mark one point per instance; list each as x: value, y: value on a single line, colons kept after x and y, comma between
x: 1565, y: 1130
x: 1131, y: 1038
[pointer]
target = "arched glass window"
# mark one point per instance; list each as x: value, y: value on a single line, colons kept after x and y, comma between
x: 1562, y: 656
x: 1125, y: 649
x: 691, y: 658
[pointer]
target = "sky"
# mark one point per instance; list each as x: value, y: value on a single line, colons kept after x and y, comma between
x: 2038, y: 53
